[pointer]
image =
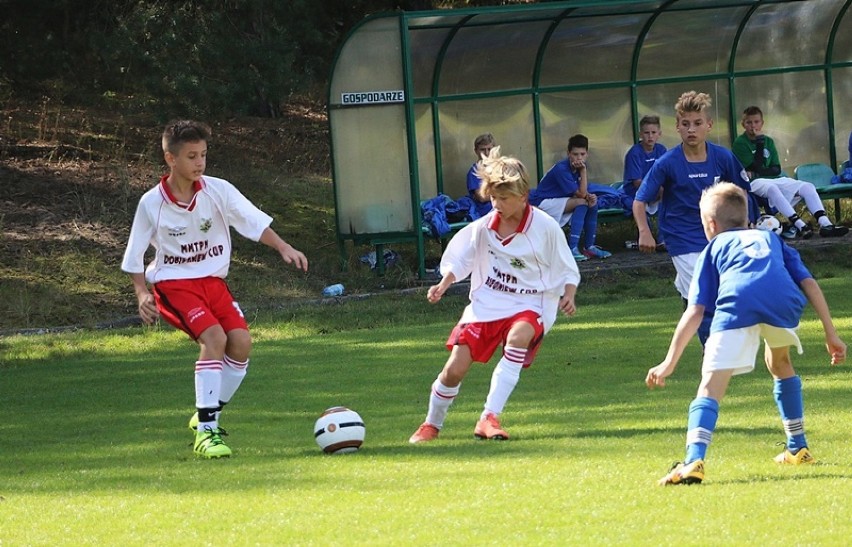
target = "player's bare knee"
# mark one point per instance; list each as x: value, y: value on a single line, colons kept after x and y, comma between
x: 238, y: 344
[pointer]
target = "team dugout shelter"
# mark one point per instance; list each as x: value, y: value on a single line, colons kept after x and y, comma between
x: 410, y: 91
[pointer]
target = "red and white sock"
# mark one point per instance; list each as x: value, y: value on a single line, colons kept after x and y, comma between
x: 439, y: 403
x: 504, y: 379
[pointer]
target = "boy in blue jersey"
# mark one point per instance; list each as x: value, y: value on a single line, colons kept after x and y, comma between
x: 563, y: 193
x: 752, y: 284
x: 482, y: 146
x: 643, y: 155
x: 640, y: 158
x: 683, y: 173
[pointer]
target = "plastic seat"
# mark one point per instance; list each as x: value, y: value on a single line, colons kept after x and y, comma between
x: 818, y: 174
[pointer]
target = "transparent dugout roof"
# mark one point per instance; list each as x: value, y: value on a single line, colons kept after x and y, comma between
x: 533, y: 75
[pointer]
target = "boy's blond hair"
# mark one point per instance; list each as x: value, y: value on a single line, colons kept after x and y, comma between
x: 727, y: 204
x: 692, y: 101
x: 502, y: 176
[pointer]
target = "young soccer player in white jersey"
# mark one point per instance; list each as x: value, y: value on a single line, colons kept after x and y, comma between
x: 683, y: 173
x: 187, y: 218
x: 752, y: 283
x: 521, y: 273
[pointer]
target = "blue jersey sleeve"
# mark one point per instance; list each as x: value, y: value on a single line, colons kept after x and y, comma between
x: 794, y: 265
x: 704, y: 289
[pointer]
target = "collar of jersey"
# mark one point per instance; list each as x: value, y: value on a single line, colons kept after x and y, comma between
x: 169, y: 197
x: 523, y: 226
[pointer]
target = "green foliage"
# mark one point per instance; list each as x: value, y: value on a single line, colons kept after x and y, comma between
x: 96, y: 431
x: 189, y: 57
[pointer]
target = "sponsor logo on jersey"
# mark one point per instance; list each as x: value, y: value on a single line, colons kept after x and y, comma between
x: 518, y: 263
x: 206, y: 224
x: 177, y: 231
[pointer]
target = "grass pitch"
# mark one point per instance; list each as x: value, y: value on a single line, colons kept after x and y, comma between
x: 94, y: 448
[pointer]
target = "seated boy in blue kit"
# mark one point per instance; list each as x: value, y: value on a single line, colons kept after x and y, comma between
x: 563, y: 193
x: 482, y: 146
x: 641, y: 157
x: 752, y: 283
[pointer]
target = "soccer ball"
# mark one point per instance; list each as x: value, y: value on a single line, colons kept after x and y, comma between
x: 339, y: 430
x: 769, y: 223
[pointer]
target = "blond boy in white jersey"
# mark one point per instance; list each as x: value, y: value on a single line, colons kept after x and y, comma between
x: 521, y: 274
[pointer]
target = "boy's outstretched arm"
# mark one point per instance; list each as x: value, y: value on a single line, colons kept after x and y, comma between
x: 435, y: 292
x: 287, y: 251
x: 686, y: 329
x: 835, y: 346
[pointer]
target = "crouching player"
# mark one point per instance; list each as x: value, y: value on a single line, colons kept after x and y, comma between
x: 521, y: 274
x: 752, y: 283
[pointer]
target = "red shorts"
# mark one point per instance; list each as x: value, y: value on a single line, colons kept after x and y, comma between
x: 195, y: 305
x: 483, y: 338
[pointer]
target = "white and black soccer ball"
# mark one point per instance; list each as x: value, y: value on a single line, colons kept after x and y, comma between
x: 769, y: 223
x: 339, y: 430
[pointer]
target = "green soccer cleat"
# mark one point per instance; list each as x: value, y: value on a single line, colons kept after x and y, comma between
x: 689, y: 473
x: 209, y: 444
x: 193, y: 423
x: 801, y: 457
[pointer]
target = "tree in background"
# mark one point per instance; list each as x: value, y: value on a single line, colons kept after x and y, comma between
x: 188, y: 57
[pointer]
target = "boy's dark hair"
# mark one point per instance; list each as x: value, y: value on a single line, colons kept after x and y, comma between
x: 752, y: 111
x: 485, y: 138
x: 578, y: 141
x: 649, y: 120
x: 178, y: 132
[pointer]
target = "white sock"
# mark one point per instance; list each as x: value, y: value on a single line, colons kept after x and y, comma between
x: 800, y: 223
x: 232, y: 376
x: 208, y: 385
x: 439, y: 403
x: 504, y: 379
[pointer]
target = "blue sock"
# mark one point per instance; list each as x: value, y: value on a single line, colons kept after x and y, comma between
x: 703, y: 412
x: 578, y: 219
x: 590, y: 226
x: 788, y: 396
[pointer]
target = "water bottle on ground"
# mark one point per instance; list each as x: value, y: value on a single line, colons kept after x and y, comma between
x: 333, y: 290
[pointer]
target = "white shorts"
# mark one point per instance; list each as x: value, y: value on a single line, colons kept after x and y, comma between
x: 789, y: 188
x: 555, y: 207
x: 685, y: 267
x: 736, y: 349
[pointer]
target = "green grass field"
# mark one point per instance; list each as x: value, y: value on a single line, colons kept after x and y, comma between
x: 94, y: 448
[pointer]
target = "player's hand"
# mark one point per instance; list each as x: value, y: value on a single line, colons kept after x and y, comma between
x: 293, y: 256
x: 836, y: 348
x: 148, y: 309
x: 566, y: 305
x: 657, y: 375
x: 591, y: 199
x: 647, y: 243
x: 435, y: 293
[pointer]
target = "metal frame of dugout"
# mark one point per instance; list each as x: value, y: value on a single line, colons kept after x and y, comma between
x: 409, y: 92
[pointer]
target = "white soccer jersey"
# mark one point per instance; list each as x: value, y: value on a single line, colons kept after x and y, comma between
x: 192, y: 241
x: 526, y: 271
